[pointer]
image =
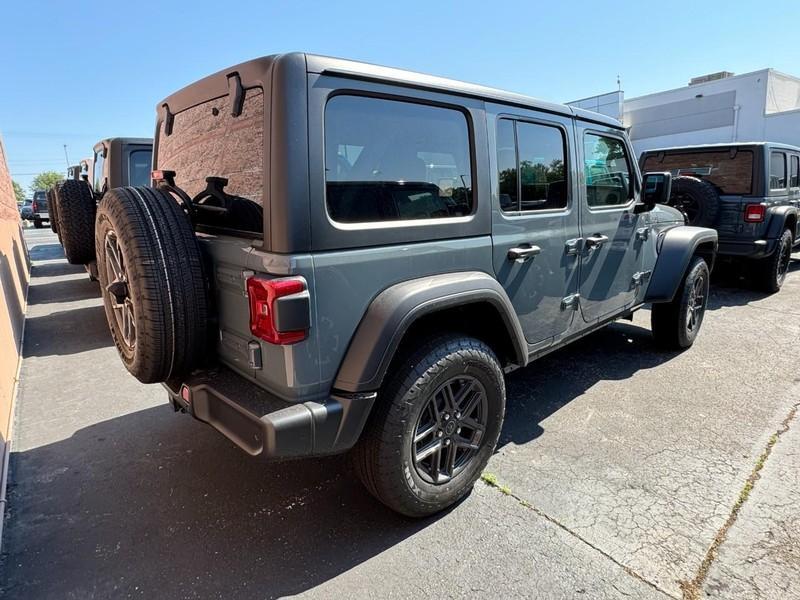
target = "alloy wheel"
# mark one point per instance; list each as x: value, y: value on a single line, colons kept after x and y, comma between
x: 450, y: 429
x: 696, y: 305
x: 118, y: 290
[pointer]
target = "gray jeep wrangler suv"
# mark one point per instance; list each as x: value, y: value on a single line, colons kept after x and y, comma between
x: 342, y: 256
x: 748, y: 192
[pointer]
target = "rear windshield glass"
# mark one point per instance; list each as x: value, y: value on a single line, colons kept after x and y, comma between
x: 207, y: 141
x: 731, y: 173
x: 139, y: 167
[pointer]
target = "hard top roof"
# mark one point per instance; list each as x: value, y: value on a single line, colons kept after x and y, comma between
x: 722, y: 146
x: 123, y: 140
x: 215, y: 85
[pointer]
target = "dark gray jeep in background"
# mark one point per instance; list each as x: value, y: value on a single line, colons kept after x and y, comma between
x: 748, y: 192
x: 115, y: 162
x: 339, y: 256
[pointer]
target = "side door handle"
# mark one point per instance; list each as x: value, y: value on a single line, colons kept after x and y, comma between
x: 523, y: 253
x: 595, y: 241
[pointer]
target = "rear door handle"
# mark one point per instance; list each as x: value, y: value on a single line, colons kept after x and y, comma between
x: 523, y: 253
x: 595, y: 241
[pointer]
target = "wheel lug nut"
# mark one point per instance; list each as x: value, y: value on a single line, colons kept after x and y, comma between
x: 446, y: 417
x: 458, y: 415
x: 447, y: 442
x: 439, y: 434
x: 458, y: 430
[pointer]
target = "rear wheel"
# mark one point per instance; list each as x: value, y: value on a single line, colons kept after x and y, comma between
x: 676, y: 324
x: 770, y: 273
x: 76, y: 209
x: 434, y: 428
x: 151, y: 276
x: 37, y: 223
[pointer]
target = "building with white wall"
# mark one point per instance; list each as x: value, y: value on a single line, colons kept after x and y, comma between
x: 759, y: 106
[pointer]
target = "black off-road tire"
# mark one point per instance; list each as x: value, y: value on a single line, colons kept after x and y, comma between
x: 51, y: 209
x: 673, y: 324
x: 76, y: 210
x: 161, y: 284
x: 770, y: 273
x: 697, y: 199
x: 384, y: 458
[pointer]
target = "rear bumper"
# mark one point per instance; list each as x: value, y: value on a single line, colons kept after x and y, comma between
x: 42, y: 216
x: 266, y: 426
x: 747, y: 249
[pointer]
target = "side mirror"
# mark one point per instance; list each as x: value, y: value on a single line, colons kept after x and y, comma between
x: 656, y: 188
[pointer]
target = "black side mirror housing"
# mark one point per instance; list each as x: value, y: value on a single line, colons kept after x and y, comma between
x: 656, y: 189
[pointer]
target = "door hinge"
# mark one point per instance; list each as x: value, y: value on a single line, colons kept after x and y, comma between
x: 642, y: 233
x: 640, y: 277
x: 572, y: 301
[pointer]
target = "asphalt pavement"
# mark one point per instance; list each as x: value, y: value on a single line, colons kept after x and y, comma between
x: 622, y: 471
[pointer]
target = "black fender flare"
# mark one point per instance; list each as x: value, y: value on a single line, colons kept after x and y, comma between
x: 676, y: 247
x: 395, y: 309
x: 778, y: 215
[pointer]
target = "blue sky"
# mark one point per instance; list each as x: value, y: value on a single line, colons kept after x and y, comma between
x: 75, y: 72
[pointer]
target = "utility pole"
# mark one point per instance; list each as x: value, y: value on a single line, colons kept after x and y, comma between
x: 66, y: 155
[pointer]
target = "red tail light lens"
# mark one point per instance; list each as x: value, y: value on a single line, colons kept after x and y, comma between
x: 754, y: 213
x: 34, y: 206
x: 262, y: 294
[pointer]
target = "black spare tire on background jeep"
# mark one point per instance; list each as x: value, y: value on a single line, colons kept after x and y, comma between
x: 152, y: 280
x: 51, y: 208
x: 434, y: 427
x: 76, y: 208
x: 695, y: 198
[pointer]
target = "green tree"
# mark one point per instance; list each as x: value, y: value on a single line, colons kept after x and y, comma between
x: 18, y: 192
x: 45, y: 180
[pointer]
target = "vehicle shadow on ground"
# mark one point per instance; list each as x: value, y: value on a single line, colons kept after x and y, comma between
x: 613, y: 353
x: 66, y: 332
x: 46, y: 252
x: 62, y: 291
x: 56, y: 269
x: 157, y: 504
x: 733, y: 286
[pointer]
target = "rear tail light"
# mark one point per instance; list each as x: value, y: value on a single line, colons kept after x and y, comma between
x: 263, y: 293
x: 754, y: 213
x: 34, y: 206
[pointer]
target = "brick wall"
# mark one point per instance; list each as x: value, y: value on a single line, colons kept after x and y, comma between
x: 14, y: 277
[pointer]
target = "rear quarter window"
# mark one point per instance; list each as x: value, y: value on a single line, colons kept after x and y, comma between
x: 391, y: 160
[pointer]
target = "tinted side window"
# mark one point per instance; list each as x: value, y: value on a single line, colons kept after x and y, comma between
x: 794, y: 177
x: 507, y: 165
x: 388, y: 160
x: 606, y: 170
x: 777, y: 171
x: 139, y: 163
x: 531, y: 166
x: 543, y: 182
x: 97, y: 177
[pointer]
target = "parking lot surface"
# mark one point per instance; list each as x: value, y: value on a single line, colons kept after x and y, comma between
x: 622, y: 471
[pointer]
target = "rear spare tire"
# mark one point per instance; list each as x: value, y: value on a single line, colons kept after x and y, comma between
x: 51, y: 209
x: 76, y: 210
x: 151, y: 276
x: 695, y: 198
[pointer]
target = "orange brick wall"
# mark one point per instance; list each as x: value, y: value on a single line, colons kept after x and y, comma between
x: 14, y: 277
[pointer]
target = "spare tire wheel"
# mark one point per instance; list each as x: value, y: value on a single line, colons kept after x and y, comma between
x: 695, y: 198
x: 152, y: 281
x: 51, y: 209
x: 76, y: 209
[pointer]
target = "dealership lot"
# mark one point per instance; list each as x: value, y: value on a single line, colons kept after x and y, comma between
x: 620, y: 472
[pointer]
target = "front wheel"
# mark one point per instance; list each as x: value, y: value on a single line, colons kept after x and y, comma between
x: 676, y: 324
x: 434, y: 427
x: 770, y: 272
